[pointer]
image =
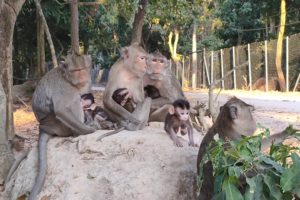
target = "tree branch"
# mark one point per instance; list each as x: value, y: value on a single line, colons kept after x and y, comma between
x: 48, y: 35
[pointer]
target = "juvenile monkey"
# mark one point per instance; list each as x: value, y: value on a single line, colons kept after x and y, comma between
x: 122, y: 97
x: 94, y: 115
x: 178, y: 119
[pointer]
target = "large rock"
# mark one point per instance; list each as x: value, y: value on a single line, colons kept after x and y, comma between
x: 129, y: 165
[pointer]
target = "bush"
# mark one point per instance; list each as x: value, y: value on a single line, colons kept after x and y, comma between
x: 242, y: 171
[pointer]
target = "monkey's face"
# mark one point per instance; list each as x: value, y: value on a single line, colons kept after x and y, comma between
x: 86, y: 103
x: 135, y: 59
x: 80, y: 76
x: 157, y: 67
x: 183, y: 113
x: 77, y: 70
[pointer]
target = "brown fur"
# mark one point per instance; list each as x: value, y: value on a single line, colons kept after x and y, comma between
x: 160, y: 77
x: 56, y: 105
x: 235, y: 119
x: 128, y: 72
x: 121, y: 99
x: 173, y: 123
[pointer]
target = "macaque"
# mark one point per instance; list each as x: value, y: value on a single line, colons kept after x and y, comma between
x: 94, y: 115
x: 128, y: 73
x: 178, y: 120
x: 234, y: 120
x: 152, y: 92
x: 122, y: 97
x: 57, y: 106
x: 160, y: 83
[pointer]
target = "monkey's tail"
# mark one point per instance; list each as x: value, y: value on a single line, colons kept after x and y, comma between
x: 42, y: 168
x: 110, y: 133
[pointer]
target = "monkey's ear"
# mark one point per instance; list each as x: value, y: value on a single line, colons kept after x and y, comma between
x: 172, y: 110
x: 233, y: 111
x: 124, y: 52
x: 63, y: 65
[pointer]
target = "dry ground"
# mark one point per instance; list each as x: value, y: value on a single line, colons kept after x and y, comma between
x: 274, y: 110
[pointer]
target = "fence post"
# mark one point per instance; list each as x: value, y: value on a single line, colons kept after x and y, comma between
x: 234, y: 72
x: 206, y: 69
x: 287, y: 63
x: 249, y: 68
x: 212, y: 67
x: 266, y: 65
x: 222, y: 69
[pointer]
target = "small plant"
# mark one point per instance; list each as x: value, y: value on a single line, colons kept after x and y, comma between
x: 242, y: 171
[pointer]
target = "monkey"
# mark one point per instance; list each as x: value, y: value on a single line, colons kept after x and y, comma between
x: 234, y: 120
x: 128, y: 71
x: 152, y: 92
x: 57, y: 107
x: 178, y: 119
x: 121, y: 96
x: 159, y: 77
x: 94, y: 115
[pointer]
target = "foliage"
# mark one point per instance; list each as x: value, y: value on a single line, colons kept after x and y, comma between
x: 242, y: 171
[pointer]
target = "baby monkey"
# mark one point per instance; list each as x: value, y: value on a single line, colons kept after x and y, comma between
x: 123, y: 97
x: 94, y: 115
x: 178, y: 120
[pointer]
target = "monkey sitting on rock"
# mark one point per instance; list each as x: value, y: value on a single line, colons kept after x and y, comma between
x: 178, y: 119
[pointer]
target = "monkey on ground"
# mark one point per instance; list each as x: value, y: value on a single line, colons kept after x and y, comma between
x: 128, y: 73
x: 57, y: 107
x: 178, y: 120
x: 122, y: 97
x: 163, y: 85
x: 234, y: 120
x: 94, y: 115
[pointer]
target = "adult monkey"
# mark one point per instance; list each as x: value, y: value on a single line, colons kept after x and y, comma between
x: 159, y: 76
x: 128, y: 73
x: 56, y: 105
x: 234, y: 120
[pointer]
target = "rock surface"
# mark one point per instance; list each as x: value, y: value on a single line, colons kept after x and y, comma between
x: 129, y: 165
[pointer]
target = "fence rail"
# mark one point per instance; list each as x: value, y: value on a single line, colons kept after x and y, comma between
x: 253, y: 64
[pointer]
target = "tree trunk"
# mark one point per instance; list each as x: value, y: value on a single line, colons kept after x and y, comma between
x: 74, y: 27
x: 40, y: 70
x: 49, y: 38
x: 279, y: 45
x: 194, y: 56
x: 139, y: 22
x: 8, y: 15
x: 173, y: 45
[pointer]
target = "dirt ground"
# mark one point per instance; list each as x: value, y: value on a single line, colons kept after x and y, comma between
x: 273, y: 110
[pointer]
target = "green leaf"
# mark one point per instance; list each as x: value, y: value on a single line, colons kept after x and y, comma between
x: 290, y: 179
x: 231, y: 191
x: 219, y: 196
x: 273, y: 187
x: 254, y: 189
x: 271, y: 162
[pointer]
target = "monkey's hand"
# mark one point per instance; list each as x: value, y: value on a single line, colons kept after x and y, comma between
x: 192, y: 144
x: 177, y: 143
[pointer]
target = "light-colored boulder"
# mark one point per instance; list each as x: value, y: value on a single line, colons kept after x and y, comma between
x: 129, y: 165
